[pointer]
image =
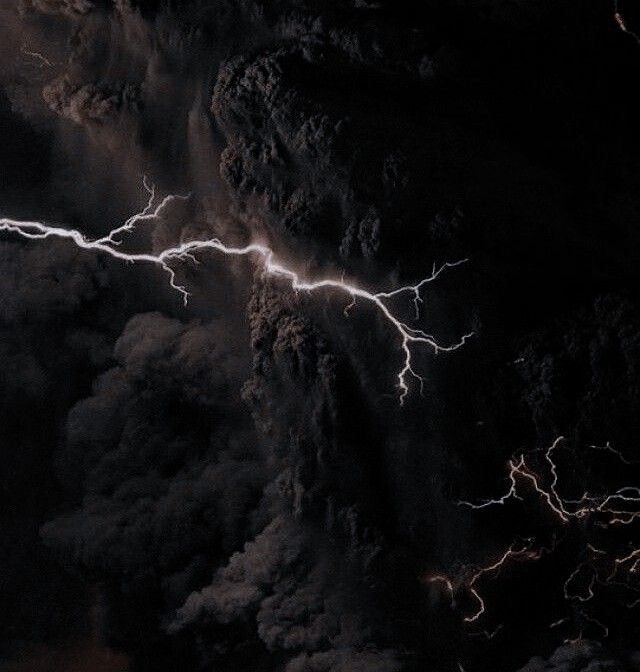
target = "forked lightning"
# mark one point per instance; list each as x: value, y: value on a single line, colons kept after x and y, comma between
x: 110, y: 245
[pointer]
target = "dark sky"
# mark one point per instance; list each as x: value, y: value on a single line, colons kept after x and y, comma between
x: 234, y: 484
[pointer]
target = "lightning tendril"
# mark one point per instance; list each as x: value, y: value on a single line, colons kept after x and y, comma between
x: 598, y: 568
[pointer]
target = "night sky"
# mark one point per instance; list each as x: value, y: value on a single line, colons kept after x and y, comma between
x: 253, y: 480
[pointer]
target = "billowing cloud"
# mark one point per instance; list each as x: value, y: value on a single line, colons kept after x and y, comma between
x: 583, y: 656
x: 69, y: 8
x: 90, y: 103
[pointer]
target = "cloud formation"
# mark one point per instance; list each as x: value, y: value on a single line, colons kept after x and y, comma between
x: 229, y: 480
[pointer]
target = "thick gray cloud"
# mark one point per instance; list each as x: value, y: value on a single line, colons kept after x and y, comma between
x: 158, y: 495
x: 298, y: 162
x: 304, y: 578
x: 583, y: 656
x: 36, y: 285
x: 90, y: 103
x: 69, y: 8
x: 48, y: 353
x: 603, y: 342
x: 249, y: 577
x: 346, y: 660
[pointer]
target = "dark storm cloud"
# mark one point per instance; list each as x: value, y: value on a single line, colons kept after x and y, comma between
x: 37, y: 294
x: 47, y: 356
x: 273, y: 525
x: 301, y: 163
x: 91, y: 103
x: 346, y: 660
x: 47, y: 287
x: 69, y: 8
x: 134, y: 88
x: 299, y: 578
x: 149, y: 478
x: 295, y: 160
x: 231, y: 538
x: 602, y: 341
x: 258, y: 165
x: 583, y: 656
x: 301, y: 595
x: 288, y: 350
x: 173, y: 486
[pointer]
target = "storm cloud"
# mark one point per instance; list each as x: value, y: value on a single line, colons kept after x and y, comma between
x: 234, y: 483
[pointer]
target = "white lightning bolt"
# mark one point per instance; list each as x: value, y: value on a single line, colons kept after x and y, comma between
x: 110, y: 244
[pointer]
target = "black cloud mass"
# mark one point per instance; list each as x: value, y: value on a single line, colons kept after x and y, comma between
x: 237, y: 482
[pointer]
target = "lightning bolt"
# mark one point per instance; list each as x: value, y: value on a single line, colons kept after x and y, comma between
x: 622, y: 24
x: 616, y: 508
x: 510, y: 554
x: 470, y: 577
x: 599, y: 568
x: 186, y: 251
x: 610, y: 449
